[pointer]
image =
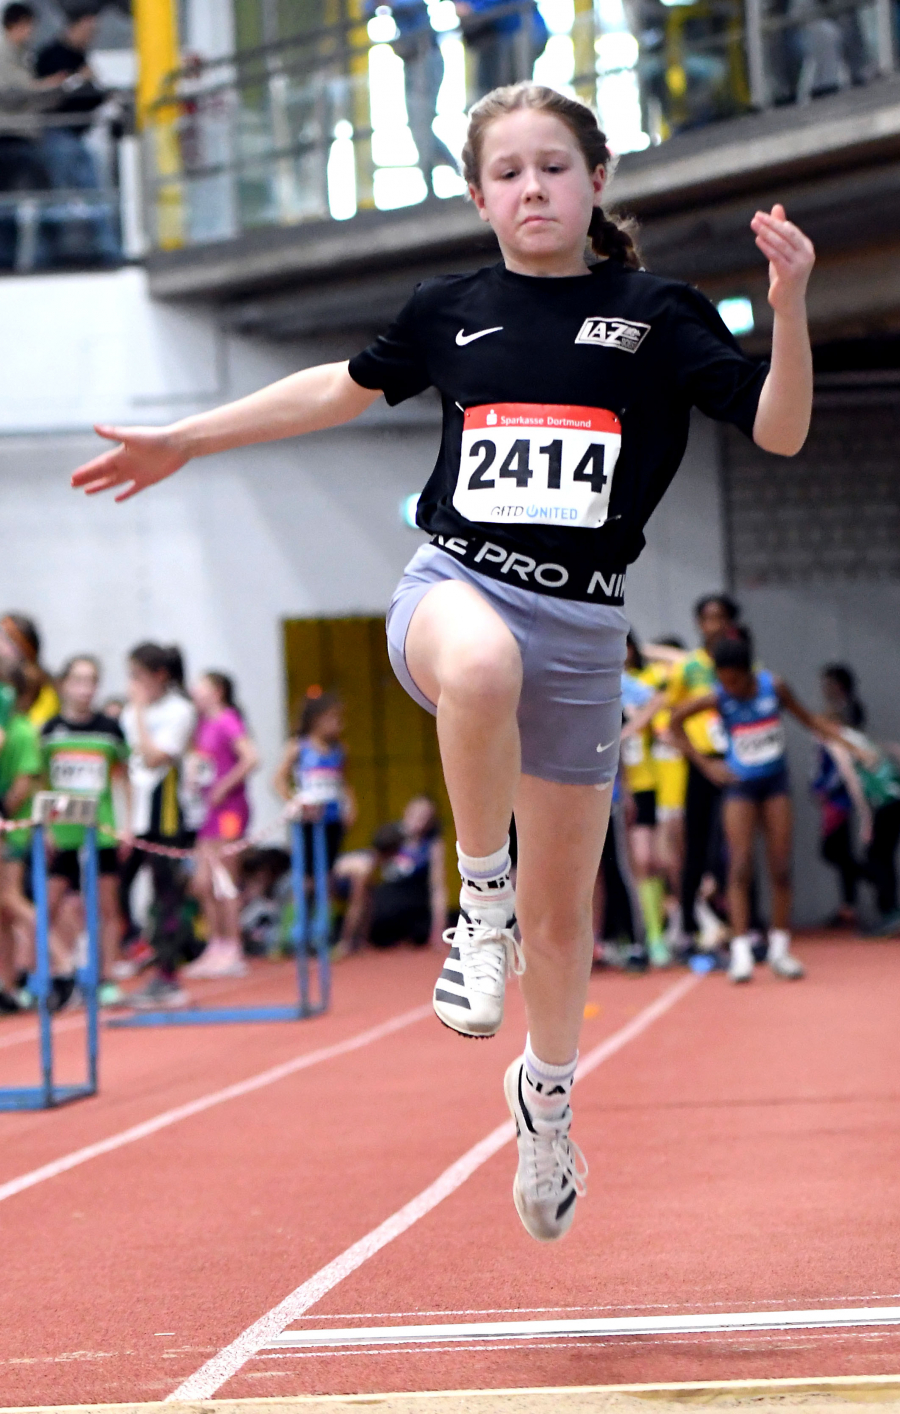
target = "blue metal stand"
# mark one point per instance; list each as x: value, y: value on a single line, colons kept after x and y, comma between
x: 49, y: 1094
x: 310, y: 936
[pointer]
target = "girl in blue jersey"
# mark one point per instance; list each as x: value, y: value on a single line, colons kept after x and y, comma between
x: 311, y: 770
x: 567, y: 377
x: 755, y: 777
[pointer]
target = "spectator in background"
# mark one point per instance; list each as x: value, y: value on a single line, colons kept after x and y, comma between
x: 20, y: 643
x: 223, y: 757
x: 159, y: 724
x: 409, y: 902
x: 423, y: 73
x: 67, y: 157
x: 506, y: 37
x: 22, y: 97
x: 836, y: 787
x: 20, y: 774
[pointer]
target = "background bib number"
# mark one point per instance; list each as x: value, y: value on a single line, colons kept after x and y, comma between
x: 531, y: 464
x: 78, y: 771
x: 758, y: 743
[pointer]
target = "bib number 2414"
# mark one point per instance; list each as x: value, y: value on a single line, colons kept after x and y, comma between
x: 526, y: 463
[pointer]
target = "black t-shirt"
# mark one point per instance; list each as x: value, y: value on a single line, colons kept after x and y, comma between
x: 58, y: 57
x: 566, y: 413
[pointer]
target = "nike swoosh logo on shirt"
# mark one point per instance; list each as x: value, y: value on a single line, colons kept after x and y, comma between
x: 462, y: 339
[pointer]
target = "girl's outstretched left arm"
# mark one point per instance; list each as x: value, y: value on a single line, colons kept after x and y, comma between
x: 815, y: 722
x: 785, y: 404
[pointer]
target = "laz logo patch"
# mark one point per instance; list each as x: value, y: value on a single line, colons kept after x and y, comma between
x: 624, y: 334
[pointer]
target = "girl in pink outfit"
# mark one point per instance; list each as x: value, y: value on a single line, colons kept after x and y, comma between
x: 223, y: 757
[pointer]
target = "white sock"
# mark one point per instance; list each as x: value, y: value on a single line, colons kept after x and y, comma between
x: 547, y: 1087
x: 742, y: 947
x: 486, y: 882
x: 779, y: 944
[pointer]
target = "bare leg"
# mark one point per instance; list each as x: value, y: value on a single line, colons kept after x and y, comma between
x: 463, y: 658
x: 777, y: 820
x: 739, y: 818
x: 561, y: 832
x: 110, y: 923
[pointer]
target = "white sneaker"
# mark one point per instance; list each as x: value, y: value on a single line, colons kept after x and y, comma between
x: 484, y: 950
x: 740, y: 968
x: 552, y: 1170
x: 781, y: 959
x: 788, y: 966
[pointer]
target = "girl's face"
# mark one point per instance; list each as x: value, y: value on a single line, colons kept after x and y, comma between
x: 738, y: 682
x: 834, y: 697
x: 144, y: 686
x: 714, y: 623
x: 330, y: 725
x: 207, y: 698
x: 536, y: 193
x: 78, y: 688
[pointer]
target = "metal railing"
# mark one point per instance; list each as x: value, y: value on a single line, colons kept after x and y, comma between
x: 61, y: 193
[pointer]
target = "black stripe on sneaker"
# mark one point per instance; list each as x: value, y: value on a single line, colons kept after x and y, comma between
x: 525, y: 1111
x: 454, y: 954
x: 565, y: 1205
x: 442, y: 996
x: 450, y: 976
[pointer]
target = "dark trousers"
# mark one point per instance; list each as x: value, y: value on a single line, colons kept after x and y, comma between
x: 837, y: 850
x: 170, y: 927
x: 881, y: 865
x: 622, y: 917
x: 703, y: 852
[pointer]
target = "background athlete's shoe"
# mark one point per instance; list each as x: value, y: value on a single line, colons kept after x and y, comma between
x: 468, y: 995
x: 740, y: 967
x: 781, y: 959
x: 552, y: 1171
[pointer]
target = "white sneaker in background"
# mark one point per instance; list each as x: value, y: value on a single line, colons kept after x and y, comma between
x: 740, y: 968
x: 484, y: 950
x: 552, y: 1170
x: 781, y: 959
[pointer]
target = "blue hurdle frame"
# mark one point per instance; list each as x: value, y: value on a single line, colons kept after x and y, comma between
x: 49, y: 1094
x: 310, y: 936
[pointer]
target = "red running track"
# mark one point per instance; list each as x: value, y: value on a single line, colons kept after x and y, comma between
x: 744, y: 1155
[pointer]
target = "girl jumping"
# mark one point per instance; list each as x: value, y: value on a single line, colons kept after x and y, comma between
x: 567, y: 377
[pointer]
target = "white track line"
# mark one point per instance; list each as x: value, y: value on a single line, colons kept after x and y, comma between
x: 208, y: 1102
x: 205, y: 1382
x: 610, y: 1325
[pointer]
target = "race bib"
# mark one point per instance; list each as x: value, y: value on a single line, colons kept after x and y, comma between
x: 78, y: 772
x: 758, y: 743
x: 321, y: 785
x: 534, y: 464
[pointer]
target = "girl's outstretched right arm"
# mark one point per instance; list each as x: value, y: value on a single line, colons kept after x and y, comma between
x: 308, y: 401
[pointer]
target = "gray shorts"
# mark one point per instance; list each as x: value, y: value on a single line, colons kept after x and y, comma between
x: 570, y: 711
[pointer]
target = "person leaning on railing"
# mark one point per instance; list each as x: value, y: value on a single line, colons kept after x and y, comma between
x: 22, y: 99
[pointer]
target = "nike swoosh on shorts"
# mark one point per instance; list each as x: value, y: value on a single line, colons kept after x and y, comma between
x: 462, y: 338
x: 601, y: 747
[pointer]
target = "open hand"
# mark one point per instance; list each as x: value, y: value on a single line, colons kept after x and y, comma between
x: 790, y: 254
x: 144, y: 455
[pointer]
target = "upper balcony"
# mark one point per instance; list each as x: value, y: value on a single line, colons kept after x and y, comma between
x: 308, y: 181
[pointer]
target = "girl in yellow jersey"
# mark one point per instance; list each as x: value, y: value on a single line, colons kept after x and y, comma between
x: 641, y: 694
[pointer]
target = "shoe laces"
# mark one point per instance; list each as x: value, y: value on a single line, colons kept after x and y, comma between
x: 551, y: 1158
x: 489, y: 953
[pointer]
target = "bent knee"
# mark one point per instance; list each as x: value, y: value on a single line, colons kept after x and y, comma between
x: 488, y: 672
